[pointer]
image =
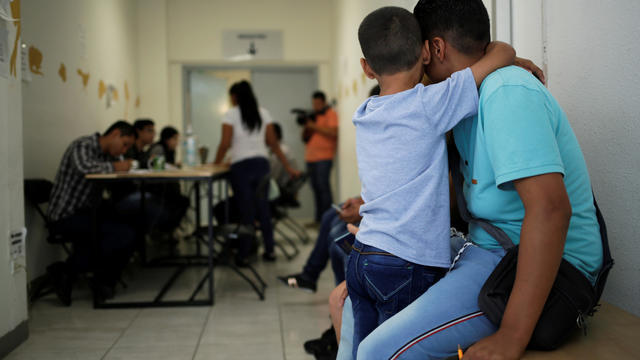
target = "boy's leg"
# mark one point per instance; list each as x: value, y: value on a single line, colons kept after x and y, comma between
x: 365, y: 314
x: 446, y: 316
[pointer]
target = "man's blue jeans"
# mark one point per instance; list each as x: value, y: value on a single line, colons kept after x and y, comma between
x: 325, y: 249
x: 433, y: 326
x: 381, y: 284
x: 319, y: 172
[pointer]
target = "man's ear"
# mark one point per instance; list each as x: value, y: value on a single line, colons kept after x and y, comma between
x: 367, y: 69
x: 426, y: 54
x: 438, y: 48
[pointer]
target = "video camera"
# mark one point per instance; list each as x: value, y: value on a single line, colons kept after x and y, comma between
x: 302, y: 115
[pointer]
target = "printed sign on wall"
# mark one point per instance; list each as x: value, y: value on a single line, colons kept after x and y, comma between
x: 239, y: 45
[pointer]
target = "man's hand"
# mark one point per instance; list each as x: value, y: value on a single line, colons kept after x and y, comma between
x: 293, y: 172
x: 351, y: 210
x: 532, y: 68
x: 498, y: 346
x: 353, y: 229
x: 122, y: 165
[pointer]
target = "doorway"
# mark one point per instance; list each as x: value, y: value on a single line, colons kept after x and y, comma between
x: 278, y: 89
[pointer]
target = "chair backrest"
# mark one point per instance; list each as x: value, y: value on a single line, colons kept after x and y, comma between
x: 289, y: 192
x: 36, y: 192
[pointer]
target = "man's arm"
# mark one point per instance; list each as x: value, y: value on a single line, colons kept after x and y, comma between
x: 498, y: 55
x: 329, y: 131
x: 225, y: 143
x: 87, y: 163
x: 542, y: 238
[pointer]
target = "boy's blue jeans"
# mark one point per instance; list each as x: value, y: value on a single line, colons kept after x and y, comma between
x: 381, y: 284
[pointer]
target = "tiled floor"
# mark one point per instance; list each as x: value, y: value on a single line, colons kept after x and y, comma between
x: 238, y: 326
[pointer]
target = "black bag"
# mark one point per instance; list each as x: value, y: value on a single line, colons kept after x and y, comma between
x: 571, y: 297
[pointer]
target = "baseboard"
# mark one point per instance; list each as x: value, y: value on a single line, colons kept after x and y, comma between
x: 13, y: 339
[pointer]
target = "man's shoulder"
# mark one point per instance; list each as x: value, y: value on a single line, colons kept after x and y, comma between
x: 509, y: 76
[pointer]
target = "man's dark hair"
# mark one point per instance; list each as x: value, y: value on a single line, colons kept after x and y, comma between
x: 390, y: 40
x: 140, y: 124
x: 463, y: 23
x: 125, y: 128
x: 278, y: 130
x: 319, y: 95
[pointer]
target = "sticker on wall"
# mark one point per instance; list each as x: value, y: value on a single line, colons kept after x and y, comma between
x: 102, y: 89
x: 62, y: 72
x: 15, y: 13
x: 126, y: 91
x: 85, y: 78
x: 126, y: 100
x: 112, y: 95
x: 355, y: 87
x: 35, y: 60
x: 138, y: 101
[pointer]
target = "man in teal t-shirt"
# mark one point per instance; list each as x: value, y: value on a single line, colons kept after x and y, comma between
x: 520, y: 132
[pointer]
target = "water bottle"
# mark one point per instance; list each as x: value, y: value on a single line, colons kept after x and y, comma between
x: 190, y: 147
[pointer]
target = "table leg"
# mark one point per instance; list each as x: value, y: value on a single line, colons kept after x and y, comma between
x: 196, y: 184
x: 210, y: 235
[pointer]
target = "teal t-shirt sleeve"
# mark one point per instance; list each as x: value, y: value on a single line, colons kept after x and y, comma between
x: 519, y: 133
x: 450, y: 101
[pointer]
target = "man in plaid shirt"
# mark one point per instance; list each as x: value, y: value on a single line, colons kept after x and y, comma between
x: 72, y: 197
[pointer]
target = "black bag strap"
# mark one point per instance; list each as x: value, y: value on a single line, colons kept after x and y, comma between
x: 454, y: 164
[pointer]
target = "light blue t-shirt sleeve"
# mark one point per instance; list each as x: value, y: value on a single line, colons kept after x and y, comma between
x: 519, y: 133
x: 450, y: 101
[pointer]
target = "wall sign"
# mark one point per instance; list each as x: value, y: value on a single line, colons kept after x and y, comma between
x: 242, y: 45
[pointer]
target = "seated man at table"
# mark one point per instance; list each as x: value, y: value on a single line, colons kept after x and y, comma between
x: 145, y: 132
x: 72, y: 198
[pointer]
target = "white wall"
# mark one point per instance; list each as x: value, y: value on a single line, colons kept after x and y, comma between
x: 99, y: 37
x: 13, y: 293
x: 593, y: 52
x: 192, y: 35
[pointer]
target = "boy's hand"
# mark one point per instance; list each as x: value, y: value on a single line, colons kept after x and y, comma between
x: 353, y: 229
x: 532, y: 68
x: 498, y: 54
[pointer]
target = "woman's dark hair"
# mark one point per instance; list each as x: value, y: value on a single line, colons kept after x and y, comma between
x: 248, y: 105
x: 167, y: 133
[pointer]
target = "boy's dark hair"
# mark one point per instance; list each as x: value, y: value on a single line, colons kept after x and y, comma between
x: 390, y: 40
x: 319, y: 95
x: 374, y: 91
x: 278, y: 130
x: 140, y: 124
x: 463, y: 23
x: 125, y: 128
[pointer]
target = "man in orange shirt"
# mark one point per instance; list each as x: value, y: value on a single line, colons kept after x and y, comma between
x: 322, y: 136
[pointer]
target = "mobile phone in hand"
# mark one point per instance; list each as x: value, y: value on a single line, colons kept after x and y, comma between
x: 336, y: 208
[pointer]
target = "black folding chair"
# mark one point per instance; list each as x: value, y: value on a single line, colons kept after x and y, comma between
x: 288, y: 200
x: 36, y: 193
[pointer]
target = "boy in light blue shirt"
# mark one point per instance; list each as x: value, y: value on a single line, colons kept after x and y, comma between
x: 402, y: 247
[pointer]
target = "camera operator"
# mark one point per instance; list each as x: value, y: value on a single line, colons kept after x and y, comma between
x: 320, y: 135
